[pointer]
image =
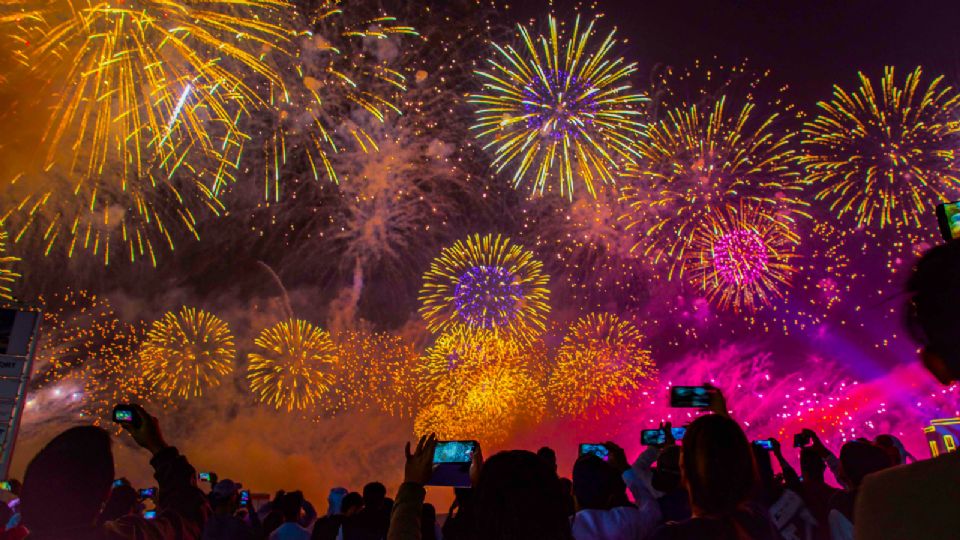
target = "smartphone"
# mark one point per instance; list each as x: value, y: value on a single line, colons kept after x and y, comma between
x: 6, y: 486
x: 697, y: 397
x: 244, y: 497
x: 204, y: 476
x: 948, y: 216
x: 148, y: 493
x: 597, y: 449
x: 150, y: 514
x: 118, y: 482
x: 801, y: 439
x: 653, y: 437
x: 764, y: 443
x: 125, y: 414
x: 451, y: 463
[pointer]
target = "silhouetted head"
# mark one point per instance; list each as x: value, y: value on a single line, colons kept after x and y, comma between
x: 717, y: 465
x: 335, y: 500
x: 595, y: 483
x: 858, y: 459
x: 373, y: 495
x: 812, y: 465
x: 68, y: 481
x: 290, y: 505
x: 932, y: 315
x: 893, y: 448
x: 518, y: 496
x: 548, y: 456
x: 352, y: 503
x: 666, y: 477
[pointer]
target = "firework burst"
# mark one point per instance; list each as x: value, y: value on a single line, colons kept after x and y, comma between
x: 742, y: 256
x: 77, y: 327
x: 295, y: 368
x: 341, y: 66
x: 188, y: 352
x: 885, y: 158
x: 140, y: 103
x: 485, y: 283
x: 480, y: 386
x: 377, y: 371
x: 559, y: 108
x: 699, y: 158
x: 601, y: 362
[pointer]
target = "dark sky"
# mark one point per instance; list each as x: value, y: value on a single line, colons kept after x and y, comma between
x: 809, y: 44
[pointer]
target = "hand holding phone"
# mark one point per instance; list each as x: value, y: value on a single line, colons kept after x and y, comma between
x: 948, y: 218
x: 452, y: 463
x: 205, y: 477
x: 419, y: 464
x: 691, y: 397
x: 150, y: 514
x: 144, y: 428
x: 597, y: 449
x: 766, y: 444
x: 148, y: 493
x: 244, y: 497
x: 126, y: 415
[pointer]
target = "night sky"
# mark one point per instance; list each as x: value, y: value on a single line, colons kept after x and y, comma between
x: 809, y: 44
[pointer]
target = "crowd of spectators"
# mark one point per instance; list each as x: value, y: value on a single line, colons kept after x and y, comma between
x: 714, y: 484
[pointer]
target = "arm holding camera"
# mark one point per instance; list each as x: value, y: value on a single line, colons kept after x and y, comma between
x: 408, y: 506
x: 828, y: 457
x: 182, y: 508
x: 790, y: 476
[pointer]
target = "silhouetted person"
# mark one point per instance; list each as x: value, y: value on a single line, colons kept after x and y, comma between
x: 516, y: 496
x: 599, y: 488
x: 921, y: 500
x: 372, y: 521
x: 720, y: 475
x: 329, y: 527
x: 290, y: 507
x: 68, y: 481
x: 674, y: 501
x: 225, y: 523
x: 857, y: 460
x: 548, y: 456
x: 428, y: 523
x: 123, y: 501
x: 815, y: 491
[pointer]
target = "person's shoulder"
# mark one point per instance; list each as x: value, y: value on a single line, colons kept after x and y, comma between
x: 942, y: 469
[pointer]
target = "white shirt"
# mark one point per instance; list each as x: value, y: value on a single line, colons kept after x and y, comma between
x: 290, y: 531
x: 621, y: 523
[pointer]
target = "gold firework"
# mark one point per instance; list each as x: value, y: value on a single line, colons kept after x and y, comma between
x: 295, y: 368
x: 601, y: 363
x: 139, y: 103
x: 188, y: 352
x: 885, y: 158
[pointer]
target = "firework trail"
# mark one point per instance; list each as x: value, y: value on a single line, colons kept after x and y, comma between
x: 559, y: 107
